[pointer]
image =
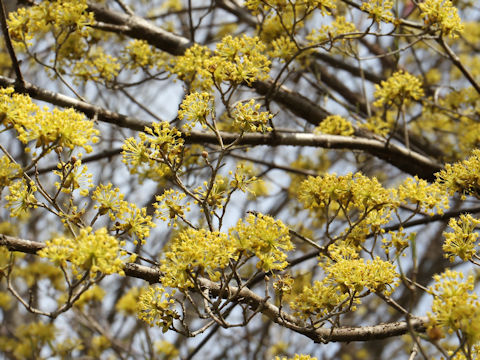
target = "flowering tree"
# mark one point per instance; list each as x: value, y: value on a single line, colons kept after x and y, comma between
x: 223, y: 179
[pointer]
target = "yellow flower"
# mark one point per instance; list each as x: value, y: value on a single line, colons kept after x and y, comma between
x: 160, y: 147
x: 8, y: 171
x: 455, y: 305
x: 335, y: 125
x: 463, y: 241
x: 57, y: 128
x: 135, y: 223
x: 97, y: 66
x: 332, y: 31
x: 155, y: 307
x: 73, y: 176
x: 129, y: 301
x: 352, y: 191
x: 356, y: 274
x: 297, y: 357
x: 379, y: 10
x: 167, y: 349
x: 235, y: 60
x: 21, y: 198
x: 267, y: 239
x: 168, y: 206
x: 196, y: 107
x: 89, y: 251
x: 93, y: 294
x: 110, y: 201
x: 426, y: 196
x: 283, y: 48
x: 247, y: 117
x: 398, y: 89
x: 193, y: 251
x: 441, y: 15
x: 318, y: 300
x: 139, y: 54
x: 65, y: 19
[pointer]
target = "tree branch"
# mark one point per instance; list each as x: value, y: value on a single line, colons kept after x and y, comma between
x: 406, y: 160
x: 256, y: 302
x: 8, y: 44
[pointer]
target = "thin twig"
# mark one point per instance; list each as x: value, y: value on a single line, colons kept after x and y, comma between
x: 8, y: 42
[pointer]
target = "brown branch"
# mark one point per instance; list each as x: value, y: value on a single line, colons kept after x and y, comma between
x: 456, y: 61
x: 139, y: 28
x: 8, y: 44
x: 404, y: 159
x: 401, y: 157
x: 92, y: 111
x: 255, y: 302
x: 298, y: 104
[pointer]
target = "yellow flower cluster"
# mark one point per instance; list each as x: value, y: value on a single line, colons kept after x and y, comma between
x: 248, y: 118
x: 168, y: 206
x: 335, y: 125
x: 245, y: 180
x: 139, y: 54
x: 398, y: 240
x: 381, y: 124
x: 215, y: 195
x: 95, y: 252
x: 361, y: 200
x: 424, y: 195
x: 319, y: 300
x: 324, y: 5
x: 6, y: 302
x: 196, y: 107
x: 110, y: 201
x: 21, y: 198
x: 379, y: 10
x: 128, y: 302
x: 193, y: 250
x: 332, y: 31
x: 297, y: 357
x: 441, y: 15
x: 210, y: 253
x: 462, y: 241
x: 283, y: 48
x: 40, y: 270
x: 458, y: 135
x: 135, y: 223
x: 59, y: 128
x: 398, y: 89
x: 93, y: 294
x: 168, y: 350
x: 235, y: 60
x: 158, y: 151
x: 8, y: 171
x: 97, y: 66
x: 351, y: 191
x: 346, y: 277
x: 129, y: 219
x: 267, y: 239
x: 73, y: 176
x: 455, y: 306
x: 67, y: 20
x: 31, y: 338
x: 462, y: 177
x: 155, y: 307
x: 353, y: 275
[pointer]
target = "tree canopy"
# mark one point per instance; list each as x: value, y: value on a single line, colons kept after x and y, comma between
x: 226, y: 179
